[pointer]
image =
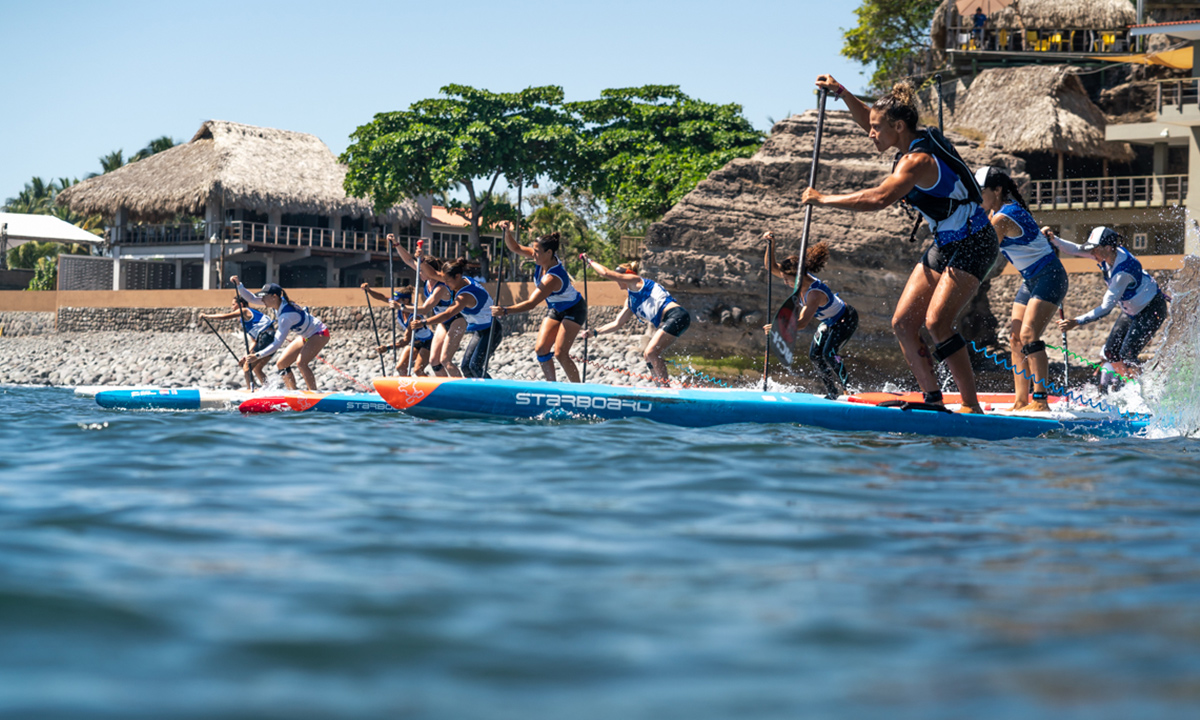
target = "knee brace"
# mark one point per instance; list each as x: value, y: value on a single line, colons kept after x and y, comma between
x: 437, y: 368
x: 286, y: 371
x: 1034, y: 347
x: 944, y: 350
x: 545, y: 358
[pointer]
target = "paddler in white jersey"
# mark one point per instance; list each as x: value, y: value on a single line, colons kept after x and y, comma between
x: 313, y: 335
x: 652, y: 304
x: 838, y: 320
x: 261, y: 330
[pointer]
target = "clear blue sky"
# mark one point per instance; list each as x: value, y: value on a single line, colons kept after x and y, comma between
x: 85, y: 78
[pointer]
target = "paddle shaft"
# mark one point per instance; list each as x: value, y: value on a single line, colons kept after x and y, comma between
x: 1066, y: 356
x: 770, y: 309
x: 412, y: 335
x: 375, y: 325
x: 245, y: 333
x: 585, y: 338
x: 812, y: 180
x: 487, y: 359
x: 231, y: 352
x: 392, y: 282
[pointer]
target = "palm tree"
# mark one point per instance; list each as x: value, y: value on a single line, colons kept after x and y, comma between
x: 157, y: 145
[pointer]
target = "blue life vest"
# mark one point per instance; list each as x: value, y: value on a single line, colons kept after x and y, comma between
x: 566, y: 296
x: 953, y: 205
x: 1030, y: 252
x: 1141, y: 291
x: 648, y: 303
x: 257, y: 323
x: 423, y: 334
x: 479, y: 317
x: 834, y: 306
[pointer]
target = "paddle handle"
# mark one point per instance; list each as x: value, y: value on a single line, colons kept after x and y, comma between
x: 812, y: 180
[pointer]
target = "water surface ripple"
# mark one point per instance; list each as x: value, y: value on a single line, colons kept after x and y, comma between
x: 204, y: 565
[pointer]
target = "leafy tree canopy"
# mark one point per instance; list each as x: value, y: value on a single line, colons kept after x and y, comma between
x: 645, y: 148
x: 467, y: 136
x: 890, y: 36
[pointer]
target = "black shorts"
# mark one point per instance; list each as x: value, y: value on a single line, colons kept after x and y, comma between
x: 675, y: 321
x: 577, y: 313
x: 447, y: 323
x: 1049, y: 284
x: 974, y: 254
x: 265, y: 338
x: 1130, y: 335
x: 419, y: 345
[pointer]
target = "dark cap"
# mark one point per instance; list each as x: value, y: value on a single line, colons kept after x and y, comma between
x: 1102, y: 237
x: 270, y: 289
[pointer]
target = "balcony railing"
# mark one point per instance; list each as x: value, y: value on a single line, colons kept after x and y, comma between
x: 967, y: 38
x: 1109, y: 192
x: 1177, y: 93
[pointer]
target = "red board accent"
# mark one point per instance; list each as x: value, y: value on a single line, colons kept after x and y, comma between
x: 874, y: 398
x: 277, y: 403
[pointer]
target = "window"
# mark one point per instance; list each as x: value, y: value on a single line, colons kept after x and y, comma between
x: 1140, y: 241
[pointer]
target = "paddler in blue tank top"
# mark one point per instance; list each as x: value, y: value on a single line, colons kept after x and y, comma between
x: 434, y: 297
x: 312, y: 334
x: 471, y: 300
x: 401, y: 301
x: 929, y: 175
x: 261, y: 330
x: 1043, y: 286
x: 567, y: 309
x: 652, y: 304
x: 838, y: 320
x: 1142, y: 301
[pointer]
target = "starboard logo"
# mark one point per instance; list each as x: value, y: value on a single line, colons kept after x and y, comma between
x: 583, y: 402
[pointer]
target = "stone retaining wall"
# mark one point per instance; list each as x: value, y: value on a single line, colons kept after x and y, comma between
x: 14, y: 324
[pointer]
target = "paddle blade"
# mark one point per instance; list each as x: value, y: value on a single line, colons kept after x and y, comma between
x: 783, y: 331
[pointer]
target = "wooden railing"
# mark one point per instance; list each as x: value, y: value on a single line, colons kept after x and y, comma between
x: 281, y: 236
x: 1177, y: 93
x: 1049, y: 40
x: 1109, y: 192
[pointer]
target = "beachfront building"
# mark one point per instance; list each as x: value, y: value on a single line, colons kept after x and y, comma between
x: 261, y: 203
x: 976, y: 34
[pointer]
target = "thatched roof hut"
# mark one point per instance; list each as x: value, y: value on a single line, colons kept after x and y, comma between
x: 233, y: 165
x: 1037, y: 108
x: 1066, y: 14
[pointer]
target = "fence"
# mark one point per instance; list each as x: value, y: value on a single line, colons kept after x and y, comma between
x: 1109, y: 192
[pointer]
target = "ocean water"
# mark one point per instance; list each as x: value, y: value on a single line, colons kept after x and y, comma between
x: 209, y: 565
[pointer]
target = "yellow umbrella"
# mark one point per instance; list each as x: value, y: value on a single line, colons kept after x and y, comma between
x: 1179, y: 59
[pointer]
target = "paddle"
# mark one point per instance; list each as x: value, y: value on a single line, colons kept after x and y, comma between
x: 585, y: 302
x: 1066, y: 356
x: 771, y: 335
x: 412, y: 338
x: 912, y: 236
x: 487, y: 359
x: 392, y: 281
x: 245, y: 334
x: 231, y: 352
x: 374, y: 324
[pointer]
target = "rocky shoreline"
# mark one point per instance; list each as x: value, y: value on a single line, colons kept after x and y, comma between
x: 189, y: 359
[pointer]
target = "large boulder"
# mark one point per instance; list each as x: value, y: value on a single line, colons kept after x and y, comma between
x: 707, y: 250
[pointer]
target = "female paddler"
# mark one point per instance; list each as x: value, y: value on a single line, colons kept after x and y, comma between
x: 838, y: 320
x: 433, y: 297
x: 568, y: 309
x: 929, y: 175
x: 652, y: 304
x: 472, y: 301
x: 1142, y: 301
x: 401, y: 301
x: 312, y: 333
x: 261, y: 330
x: 1043, y: 287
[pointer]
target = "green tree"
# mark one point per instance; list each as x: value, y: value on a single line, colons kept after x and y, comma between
x: 45, y: 274
x: 890, y: 36
x: 157, y: 145
x: 36, y: 199
x: 469, y: 138
x: 27, y: 255
x: 647, y: 147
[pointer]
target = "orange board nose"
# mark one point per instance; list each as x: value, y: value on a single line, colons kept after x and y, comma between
x: 405, y: 392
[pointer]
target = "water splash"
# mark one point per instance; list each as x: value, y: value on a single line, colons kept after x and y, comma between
x: 1171, y: 382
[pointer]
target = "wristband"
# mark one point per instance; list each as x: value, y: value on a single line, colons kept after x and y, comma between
x: 841, y: 89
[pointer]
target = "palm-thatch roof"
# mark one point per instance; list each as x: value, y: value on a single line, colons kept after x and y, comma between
x: 1066, y: 14
x: 1038, y: 108
x: 238, y: 166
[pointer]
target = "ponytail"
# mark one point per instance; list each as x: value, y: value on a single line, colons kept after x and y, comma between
x: 455, y: 268
x: 994, y: 177
x: 1010, y: 187
x: 900, y: 104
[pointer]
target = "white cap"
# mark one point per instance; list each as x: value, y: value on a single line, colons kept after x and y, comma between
x: 981, y: 175
x: 1102, y: 236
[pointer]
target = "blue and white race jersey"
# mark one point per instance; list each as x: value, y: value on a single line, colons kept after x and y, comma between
x: 1030, y: 252
x: 1128, y: 285
x: 257, y: 323
x: 428, y: 288
x: 479, y: 317
x: 648, y: 303
x: 834, y: 306
x: 951, y: 205
x: 423, y: 334
x: 566, y: 296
